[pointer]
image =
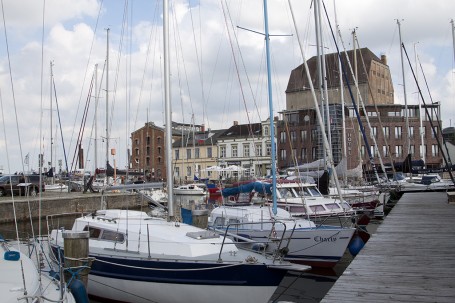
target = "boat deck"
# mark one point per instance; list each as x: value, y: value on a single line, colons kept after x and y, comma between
x: 410, y: 258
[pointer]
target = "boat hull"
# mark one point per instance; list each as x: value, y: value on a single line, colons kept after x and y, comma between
x: 144, y: 280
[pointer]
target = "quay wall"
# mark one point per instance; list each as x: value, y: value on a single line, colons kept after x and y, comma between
x: 67, y: 203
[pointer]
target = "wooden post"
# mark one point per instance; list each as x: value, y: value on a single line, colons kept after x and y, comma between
x: 76, y: 246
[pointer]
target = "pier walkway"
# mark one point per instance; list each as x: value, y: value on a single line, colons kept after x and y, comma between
x: 410, y: 258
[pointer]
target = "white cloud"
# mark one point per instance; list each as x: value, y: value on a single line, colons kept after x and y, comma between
x: 204, y: 77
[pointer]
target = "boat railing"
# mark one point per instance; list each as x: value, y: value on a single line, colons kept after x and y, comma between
x: 273, y: 237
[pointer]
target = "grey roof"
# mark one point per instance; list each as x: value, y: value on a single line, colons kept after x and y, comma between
x: 242, y: 131
x: 200, y: 138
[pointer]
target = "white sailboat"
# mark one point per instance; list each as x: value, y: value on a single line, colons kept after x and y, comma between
x: 140, y: 258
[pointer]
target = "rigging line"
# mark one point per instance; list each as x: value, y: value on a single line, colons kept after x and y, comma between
x: 7, y: 160
x: 152, y: 31
x: 85, y: 72
x: 199, y: 60
x: 117, y: 71
x: 365, y: 139
x: 378, y: 116
x: 12, y: 84
x: 236, y: 64
x: 428, y: 114
x: 82, y: 127
x: 178, y: 46
x: 60, y: 124
x: 437, y: 118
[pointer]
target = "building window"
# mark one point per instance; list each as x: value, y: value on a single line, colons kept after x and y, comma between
x: 314, y: 133
x: 222, y: 151
x: 148, y: 150
x: 159, y: 160
x: 137, y: 151
x: 385, y: 151
x: 234, y: 151
x: 246, y: 150
x: 209, y: 152
x: 303, y: 154
x: 294, y: 153
x: 266, y: 131
x: 188, y: 171
x: 293, y: 136
x: 177, y: 154
x: 269, y: 149
x: 313, y: 153
x: 434, y: 150
x: 399, y: 151
x: 283, y: 154
x: 158, y: 140
x: 258, y: 150
x: 188, y: 153
x: 283, y: 137
x: 159, y: 150
x: 196, y: 153
x: 398, y: 132
x: 374, y: 131
x: 412, y: 149
x: 136, y: 141
x: 303, y: 135
x: 177, y: 171
x: 147, y: 161
x: 411, y: 132
x: 386, y: 131
x: 148, y: 140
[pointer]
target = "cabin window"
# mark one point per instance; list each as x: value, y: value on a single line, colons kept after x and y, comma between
x: 112, y: 236
x: 94, y: 233
x: 317, y: 208
x: 314, y: 192
x: 332, y: 206
x: 286, y: 193
x: 346, y: 206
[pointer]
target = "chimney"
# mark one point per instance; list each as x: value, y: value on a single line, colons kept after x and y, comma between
x: 236, y: 123
x: 384, y: 59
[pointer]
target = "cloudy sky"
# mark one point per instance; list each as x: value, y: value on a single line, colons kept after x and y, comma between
x: 218, y: 69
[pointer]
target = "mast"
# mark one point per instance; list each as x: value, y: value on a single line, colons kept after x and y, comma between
x: 317, y: 20
x: 168, y: 118
x: 272, y: 127
x: 52, y: 139
x: 96, y: 116
x: 343, y: 120
x: 453, y: 37
x: 404, y: 91
x: 107, y: 102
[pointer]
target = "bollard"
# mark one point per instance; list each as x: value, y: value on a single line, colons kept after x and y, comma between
x: 75, y: 245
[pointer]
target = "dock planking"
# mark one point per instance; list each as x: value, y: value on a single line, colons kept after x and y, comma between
x: 410, y: 258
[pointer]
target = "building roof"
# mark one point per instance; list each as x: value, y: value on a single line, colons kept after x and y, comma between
x: 242, y: 131
x: 298, y: 79
x: 205, y: 138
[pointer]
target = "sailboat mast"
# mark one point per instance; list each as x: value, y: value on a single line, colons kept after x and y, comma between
x: 96, y: 116
x: 168, y: 118
x: 272, y: 126
x: 107, y: 100
x: 406, y: 114
x: 50, y: 110
x: 453, y: 37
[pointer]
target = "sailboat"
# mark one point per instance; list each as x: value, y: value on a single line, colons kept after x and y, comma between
x: 140, y: 258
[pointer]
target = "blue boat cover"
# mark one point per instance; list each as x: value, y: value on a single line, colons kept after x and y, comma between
x: 257, y: 186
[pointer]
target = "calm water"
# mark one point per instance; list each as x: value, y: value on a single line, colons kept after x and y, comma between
x: 310, y: 286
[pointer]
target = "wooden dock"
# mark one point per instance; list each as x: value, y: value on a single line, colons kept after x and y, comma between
x: 410, y: 258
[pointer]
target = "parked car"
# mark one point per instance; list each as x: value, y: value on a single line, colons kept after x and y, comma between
x: 28, y: 184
